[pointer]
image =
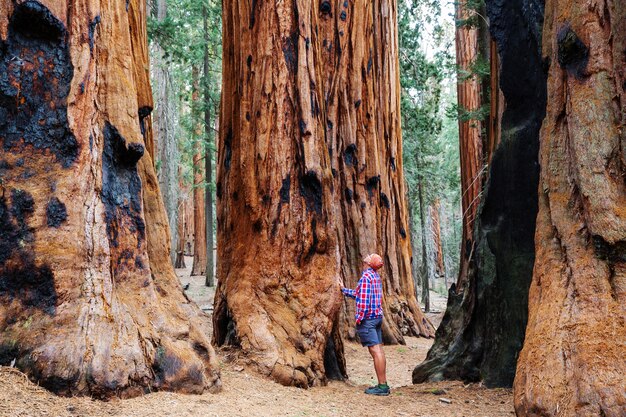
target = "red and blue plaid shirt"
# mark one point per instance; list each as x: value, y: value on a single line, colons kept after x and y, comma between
x: 368, y: 296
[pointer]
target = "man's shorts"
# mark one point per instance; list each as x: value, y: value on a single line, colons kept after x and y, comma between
x: 370, y: 331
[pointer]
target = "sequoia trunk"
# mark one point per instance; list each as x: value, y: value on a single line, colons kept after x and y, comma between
x: 470, y: 138
x: 572, y: 363
x: 89, y: 301
x: 358, y: 45
x: 199, y: 226
x: 482, y: 330
x: 436, y: 233
x: 278, y: 296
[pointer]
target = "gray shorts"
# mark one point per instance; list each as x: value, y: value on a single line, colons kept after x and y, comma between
x: 370, y: 331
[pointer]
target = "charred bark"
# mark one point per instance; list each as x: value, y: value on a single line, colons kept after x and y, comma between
x: 482, y: 330
x: 572, y: 363
x: 89, y: 302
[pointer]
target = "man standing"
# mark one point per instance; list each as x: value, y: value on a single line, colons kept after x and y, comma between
x: 369, y: 318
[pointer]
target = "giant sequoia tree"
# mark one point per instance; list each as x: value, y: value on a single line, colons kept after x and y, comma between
x: 89, y: 302
x: 309, y: 181
x: 572, y: 363
x: 358, y: 44
x: 482, y: 331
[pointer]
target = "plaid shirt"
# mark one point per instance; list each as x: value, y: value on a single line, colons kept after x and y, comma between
x: 368, y: 295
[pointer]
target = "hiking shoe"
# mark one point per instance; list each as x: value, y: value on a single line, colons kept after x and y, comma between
x: 378, y: 390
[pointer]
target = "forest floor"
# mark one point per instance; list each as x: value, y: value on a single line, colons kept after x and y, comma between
x: 246, y: 393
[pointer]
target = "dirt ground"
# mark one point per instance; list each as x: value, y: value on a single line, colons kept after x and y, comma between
x: 246, y: 393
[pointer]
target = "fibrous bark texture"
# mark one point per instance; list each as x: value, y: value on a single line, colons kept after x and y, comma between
x: 89, y: 302
x: 435, y: 230
x: 572, y: 363
x: 482, y: 330
x: 470, y: 136
x: 277, y: 297
x: 309, y: 181
x: 358, y: 45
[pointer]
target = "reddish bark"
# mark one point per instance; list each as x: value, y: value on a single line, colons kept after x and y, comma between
x: 89, y: 301
x: 572, y: 363
x: 470, y: 138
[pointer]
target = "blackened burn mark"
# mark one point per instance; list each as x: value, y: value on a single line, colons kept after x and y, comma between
x: 92, y: 31
x: 56, y: 213
x: 35, y: 77
x: 384, y: 200
x: 349, y: 195
x: 371, y: 184
x: 343, y: 16
x: 143, y: 113
x: 311, y: 190
x: 218, y: 190
x: 357, y: 104
x: 249, y: 61
x: 303, y: 128
x: 573, y: 54
x: 165, y: 365
x: 21, y: 277
x: 392, y: 162
x: 402, y: 232
x: 252, y: 14
x: 121, y: 186
x: 139, y: 263
x: 284, y: 190
x: 290, y: 51
x: 315, y: 242
x: 228, y: 142
x: 257, y: 226
x: 611, y: 253
x: 349, y: 155
x: 325, y: 8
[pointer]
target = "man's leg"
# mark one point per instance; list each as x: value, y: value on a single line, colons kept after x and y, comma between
x: 380, y: 363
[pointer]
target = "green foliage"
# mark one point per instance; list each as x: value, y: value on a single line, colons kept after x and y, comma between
x: 429, y: 128
x: 181, y: 35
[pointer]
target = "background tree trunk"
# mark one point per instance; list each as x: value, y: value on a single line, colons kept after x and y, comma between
x: 436, y: 234
x: 199, y: 226
x: 358, y: 45
x: 208, y: 156
x: 89, y: 302
x: 165, y: 124
x: 277, y: 297
x: 572, y: 362
x: 470, y: 136
x: 482, y: 330
x: 425, y: 268
x: 180, y: 225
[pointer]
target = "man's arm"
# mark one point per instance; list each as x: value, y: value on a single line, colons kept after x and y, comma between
x: 348, y: 292
x: 362, y: 298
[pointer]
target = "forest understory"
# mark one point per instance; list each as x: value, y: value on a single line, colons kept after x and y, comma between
x: 246, y: 393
